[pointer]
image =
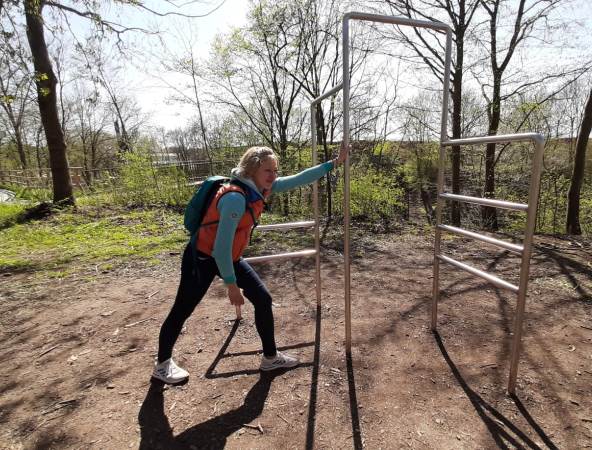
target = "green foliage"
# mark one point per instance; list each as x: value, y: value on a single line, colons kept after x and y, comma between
x: 72, y: 240
x: 9, y: 213
x: 33, y: 194
x: 141, y: 183
x: 421, y: 169
x: 375, y: 196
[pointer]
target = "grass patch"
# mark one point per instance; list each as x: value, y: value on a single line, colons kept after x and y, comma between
x: 9, y: 213
x: 71, y: 239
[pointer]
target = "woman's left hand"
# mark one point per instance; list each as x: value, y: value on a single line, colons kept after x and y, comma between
x: 342, y: 154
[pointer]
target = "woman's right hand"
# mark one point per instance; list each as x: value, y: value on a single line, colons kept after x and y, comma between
x: 234, y: 295
x: 343, y: 151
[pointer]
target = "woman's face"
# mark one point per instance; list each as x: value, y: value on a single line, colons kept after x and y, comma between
x: 266, y: 174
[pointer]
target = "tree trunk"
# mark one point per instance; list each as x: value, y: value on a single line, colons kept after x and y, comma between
x: 322, y: 139
x: 489, y: 214
x: 18, y: 135
x: 47, y: 98
x: 456, y: 125
x: 572, y: 224
x: 283, y: 154
x: 38, y: 150
x: 21, y: 149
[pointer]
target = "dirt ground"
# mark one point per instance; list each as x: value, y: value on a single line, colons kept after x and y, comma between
x: 77, y: 357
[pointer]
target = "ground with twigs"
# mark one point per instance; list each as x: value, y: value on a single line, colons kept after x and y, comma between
x: 77, y: 355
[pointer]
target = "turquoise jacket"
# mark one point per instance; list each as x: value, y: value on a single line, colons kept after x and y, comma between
x: 232, y: 206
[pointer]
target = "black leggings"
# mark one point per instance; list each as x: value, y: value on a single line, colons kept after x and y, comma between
x: 194, y: 285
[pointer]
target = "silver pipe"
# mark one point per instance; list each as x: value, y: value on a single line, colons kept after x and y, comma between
x: 313, y: 140
x: 533, y: 197
x: 396, y: 20
x: 440, y: 201
x: 327, y: 94
x: 483, y: 238
x: 285, y: 226
x: 346, y: 193
x: 278, y: 256
x: 497, y: 139
x: 346, y: 93
x: 315, y: 205
x: 485, y: 201
x: 486, y: 276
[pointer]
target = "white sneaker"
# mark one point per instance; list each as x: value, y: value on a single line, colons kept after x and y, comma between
x: 169, y: 372
x: 279, y: 361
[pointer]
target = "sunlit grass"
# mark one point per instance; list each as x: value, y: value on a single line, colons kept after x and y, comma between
x: 72, y: 239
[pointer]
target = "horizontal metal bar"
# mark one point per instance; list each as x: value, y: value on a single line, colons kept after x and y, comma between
x: 300, y: 254
x: 486, y: 276
x: 497, y: 139
x: 285, y: 226
x: 484, y: 238
x: 485, y: 201
x: 329, y: 93
x: 396, y: 20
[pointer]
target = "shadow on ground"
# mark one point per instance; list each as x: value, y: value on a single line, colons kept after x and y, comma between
x: 504, y: 432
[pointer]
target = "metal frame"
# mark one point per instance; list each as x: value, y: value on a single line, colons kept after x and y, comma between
x: 315, y: 186
x: 439, y: 26
x: 524, y: 250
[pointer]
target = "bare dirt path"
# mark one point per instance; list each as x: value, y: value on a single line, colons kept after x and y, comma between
x: 77, y: 356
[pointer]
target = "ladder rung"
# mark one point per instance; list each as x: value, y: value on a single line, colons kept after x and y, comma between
x: 485, y: 201
x: 300, y: 254
x: 496, y: 139
x: 285, y: 226
x: 486, y: 276
x: 484, y: 238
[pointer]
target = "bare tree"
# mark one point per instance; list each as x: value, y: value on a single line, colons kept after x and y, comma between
x: 429, y: 50
x: 91, y: 119
x: 47, y: 99
x: 46, y: 79
x: 248, y: 72
x: 572, y: 224
x: 500, y: 52
x: 186, y: 63
x: 16, y: 85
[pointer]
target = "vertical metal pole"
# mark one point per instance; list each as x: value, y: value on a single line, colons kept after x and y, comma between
x: 346, y: 213
x: 315, y: 202
x: 441, y: 162
x: 533, y: 197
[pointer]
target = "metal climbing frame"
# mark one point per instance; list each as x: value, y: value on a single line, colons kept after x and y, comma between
x: 346, y: 85
x: 524, y: 250
x: 313, y: 143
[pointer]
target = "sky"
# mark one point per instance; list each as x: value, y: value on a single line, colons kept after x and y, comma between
x: 151, y: 92
x: 232, y: 13
x: 144, y: 77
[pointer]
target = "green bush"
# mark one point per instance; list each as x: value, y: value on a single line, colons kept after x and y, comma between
x: 9, y: 213
x: 141, y: 183
x: 374, y: 196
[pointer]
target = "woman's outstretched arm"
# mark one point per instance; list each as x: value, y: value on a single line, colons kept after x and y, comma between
x: 309, y: 175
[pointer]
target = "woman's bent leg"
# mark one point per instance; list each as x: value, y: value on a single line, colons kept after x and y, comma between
x: 256, y: 292
x: 193, y: 286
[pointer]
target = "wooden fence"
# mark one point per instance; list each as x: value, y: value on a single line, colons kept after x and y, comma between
x: 194, y: 171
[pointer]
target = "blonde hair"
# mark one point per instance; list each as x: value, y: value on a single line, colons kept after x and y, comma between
x: 252, y: 160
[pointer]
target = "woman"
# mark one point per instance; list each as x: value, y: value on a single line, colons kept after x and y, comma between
x: 231, y: 216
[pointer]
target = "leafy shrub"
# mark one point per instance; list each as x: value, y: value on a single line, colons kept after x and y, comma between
x: 374, y: 196
x: 141, y: 183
